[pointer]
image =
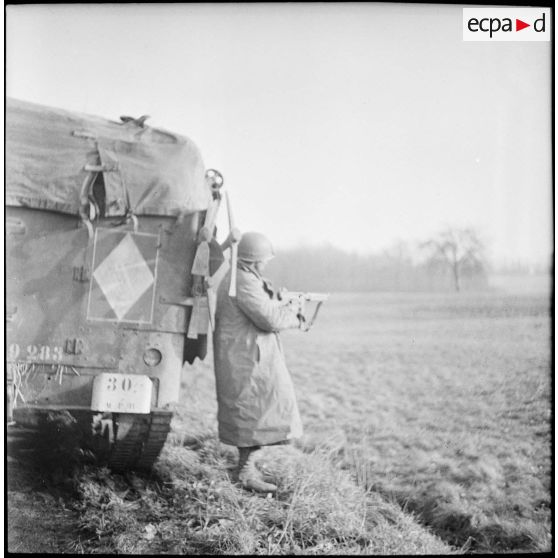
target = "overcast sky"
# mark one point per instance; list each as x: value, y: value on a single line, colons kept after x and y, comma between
x: 354, y: 124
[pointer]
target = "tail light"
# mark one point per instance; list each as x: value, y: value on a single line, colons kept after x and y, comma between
x: 152, y: 357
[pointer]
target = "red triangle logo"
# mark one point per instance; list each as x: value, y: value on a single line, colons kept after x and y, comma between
x: 519, y: 25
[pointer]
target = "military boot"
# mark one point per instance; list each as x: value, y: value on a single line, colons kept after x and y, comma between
x: 249, y: 477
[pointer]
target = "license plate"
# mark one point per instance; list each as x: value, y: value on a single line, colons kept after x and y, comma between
x: 121, y: 393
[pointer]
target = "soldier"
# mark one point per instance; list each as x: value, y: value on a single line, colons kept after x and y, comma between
x: 255, y: 393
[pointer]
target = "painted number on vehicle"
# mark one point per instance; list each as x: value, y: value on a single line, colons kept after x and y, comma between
x: 114, y: 384
x: 35, y: 352
x: 123, y: 393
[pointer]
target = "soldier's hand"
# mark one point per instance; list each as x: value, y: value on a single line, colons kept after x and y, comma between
x: 235, y: 235
x: 233, y: 238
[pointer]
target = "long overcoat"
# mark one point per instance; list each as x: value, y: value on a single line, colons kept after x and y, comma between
x: 255, y: 393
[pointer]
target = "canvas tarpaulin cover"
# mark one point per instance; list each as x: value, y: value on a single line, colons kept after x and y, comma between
x: 146, y: 171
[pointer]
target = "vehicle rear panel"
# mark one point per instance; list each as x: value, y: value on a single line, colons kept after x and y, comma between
x: 83, y: 302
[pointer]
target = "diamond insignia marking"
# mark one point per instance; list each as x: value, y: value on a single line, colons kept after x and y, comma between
x: 123, y: 276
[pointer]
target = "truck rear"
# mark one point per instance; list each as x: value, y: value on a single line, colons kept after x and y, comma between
x: 102, y: 220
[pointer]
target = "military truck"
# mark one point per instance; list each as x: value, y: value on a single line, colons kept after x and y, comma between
x: 102, y: 223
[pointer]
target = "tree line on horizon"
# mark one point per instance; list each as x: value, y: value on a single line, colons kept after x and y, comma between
x: 452, y: 260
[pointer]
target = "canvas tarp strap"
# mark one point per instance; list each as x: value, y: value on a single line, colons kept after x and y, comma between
x: 150, y: 178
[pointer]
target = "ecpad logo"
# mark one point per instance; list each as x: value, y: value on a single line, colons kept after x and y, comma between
x: 506, y: 24
x: 494, y: 24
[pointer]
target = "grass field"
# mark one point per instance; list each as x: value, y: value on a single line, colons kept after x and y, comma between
x: 427, y: 431
x: 440, y: 403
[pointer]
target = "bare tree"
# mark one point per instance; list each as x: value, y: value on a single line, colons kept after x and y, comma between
x: 459, y: 250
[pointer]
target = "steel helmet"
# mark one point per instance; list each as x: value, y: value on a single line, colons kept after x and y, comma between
x: 255, y: 247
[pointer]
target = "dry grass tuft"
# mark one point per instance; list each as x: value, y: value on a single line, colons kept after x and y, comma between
x: 190, y: 506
